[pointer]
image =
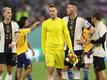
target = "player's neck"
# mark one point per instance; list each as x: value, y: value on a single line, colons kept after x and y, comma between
x: 96, y: 22
x: 7, y: 21
x: 53, y: 18
x: 73, y: 16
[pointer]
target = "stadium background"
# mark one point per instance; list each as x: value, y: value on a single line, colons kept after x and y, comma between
x: 37, y: 10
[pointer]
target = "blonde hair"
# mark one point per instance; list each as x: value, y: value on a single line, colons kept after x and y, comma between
x: 5, y: 8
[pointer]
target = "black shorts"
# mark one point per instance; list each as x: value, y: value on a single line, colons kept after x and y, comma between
x: 80, y: 56
x: 99, y: 63
x: 8, y: 58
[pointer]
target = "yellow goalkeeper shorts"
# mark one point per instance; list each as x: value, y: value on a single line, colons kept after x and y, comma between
x: 55, y: 59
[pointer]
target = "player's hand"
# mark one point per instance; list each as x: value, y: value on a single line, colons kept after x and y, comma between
x: 12, y: 45
x: 33, y: 53
x: 37, y: 23
x: 72, y: 58
x: 80, y: 41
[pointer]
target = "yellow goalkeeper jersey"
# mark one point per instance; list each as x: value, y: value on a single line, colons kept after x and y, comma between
x: 22, y: 44
x: 54, y: 34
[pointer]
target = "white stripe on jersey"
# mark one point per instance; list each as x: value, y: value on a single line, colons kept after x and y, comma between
x: 15, y: 28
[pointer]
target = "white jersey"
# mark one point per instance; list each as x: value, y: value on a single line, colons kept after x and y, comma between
x: 15, y: 28
x: 79, y: 25
x: 100, y: 30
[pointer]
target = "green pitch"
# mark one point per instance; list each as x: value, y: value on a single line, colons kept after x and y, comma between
x: 39, y: 72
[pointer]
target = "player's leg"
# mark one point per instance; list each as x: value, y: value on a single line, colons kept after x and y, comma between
x: 19, y: 73
x: 2, y: 62
x: 29, y: 76
x: 10, y: 62
x: 59, y: 63
x: 88, y: 61
x: 50, y: 74
x: 9, y: 72
x: 102, y: 75
x: 67, y: 72
x: 15, y: 75
x: 29, y: 54
x: 19, y: 67
x: 27, y: 64
x: 80, y: 64
x: 59, y: 74
x: 50, y: 63
x: 99, y: 66
x: 86, y: 71
x: 96, y: 74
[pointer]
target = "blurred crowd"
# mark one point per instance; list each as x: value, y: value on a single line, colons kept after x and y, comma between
x: 37, y: 9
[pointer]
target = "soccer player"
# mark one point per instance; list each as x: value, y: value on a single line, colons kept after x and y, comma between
x: 22, y: 47
x: 9, y: 35
x: 75, y: 25
x: 98, y: 39
x: 87, y: 48
x: 29, y: 53
x: 54, y: 34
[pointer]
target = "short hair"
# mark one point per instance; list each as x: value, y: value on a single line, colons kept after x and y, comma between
x: 51, y: 5
x: 98, y: 16
x: 3, y: 10
x: 22, y: 21
x: 73, y: 3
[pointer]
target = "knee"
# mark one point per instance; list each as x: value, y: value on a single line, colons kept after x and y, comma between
x: 1, y: 71
x: 29, y: 67
x: 59, y: 73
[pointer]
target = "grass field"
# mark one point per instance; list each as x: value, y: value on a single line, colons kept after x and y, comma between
x: 39, y: 72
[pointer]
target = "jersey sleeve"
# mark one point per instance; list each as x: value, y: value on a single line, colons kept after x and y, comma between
x: 43, y: 40
x: 86, y: 24
x: 67, y: 36
x: 26, y: 31
x: 17, y: 28
x: 102, y: 30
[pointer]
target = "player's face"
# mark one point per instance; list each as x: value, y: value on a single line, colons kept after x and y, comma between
x: 7, y: 14
x: 53, y: 12
x: 70, y: 9
x: 93, y: 19
x: 26, y: 23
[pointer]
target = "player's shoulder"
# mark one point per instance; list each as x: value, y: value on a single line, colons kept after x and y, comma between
x: 46, y: 21
x: 1, y: 23
x: 81, y: 18
x: 102, y: 25
x: 61, y: 20
x: 65, y: 18
x: 14, y: 23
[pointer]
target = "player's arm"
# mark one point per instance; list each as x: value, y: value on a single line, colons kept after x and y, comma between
x: 34, y: 25
x: 17, y: 33
x: 67, y: 36
x: 91, y: 30
x: 89, y: 27
x: 29, y: 45
x: 43, y: 40
x: 17, y: 36
x: 100, y: 40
